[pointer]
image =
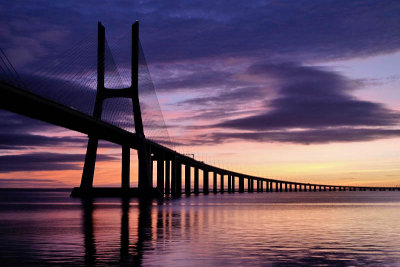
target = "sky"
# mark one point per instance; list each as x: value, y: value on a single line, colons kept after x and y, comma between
x: 306, y: 91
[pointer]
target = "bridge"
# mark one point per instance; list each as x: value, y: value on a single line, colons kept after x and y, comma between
x: 169, y: 163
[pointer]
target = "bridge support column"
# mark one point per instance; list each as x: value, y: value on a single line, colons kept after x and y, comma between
x: 90, y: 161
x: 233, y: 184
x: 241, y: 184
x: 229, y: 184
x: 196, y: 180
x: 178, y: 178
x: 248, y: 185
x: 285, y: 187
x: 261, y: 186
x: 174, y: 177
x: 215, y: 188
x: 151, y: 172
x: 126, y: 160
x: 205, y: 182
x: 222, y: 189
x: 258, y: 185
x: 167, y: 177
x: 187, y: 180
x: 160, y: 173
x: 278, y: 185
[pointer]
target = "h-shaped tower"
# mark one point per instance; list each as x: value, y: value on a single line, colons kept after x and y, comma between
x: 131, y: 92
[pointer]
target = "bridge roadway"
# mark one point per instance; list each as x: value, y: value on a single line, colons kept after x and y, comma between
x: 169, y: 162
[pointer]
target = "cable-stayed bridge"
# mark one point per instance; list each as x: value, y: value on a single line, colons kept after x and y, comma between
x: 97, y: 99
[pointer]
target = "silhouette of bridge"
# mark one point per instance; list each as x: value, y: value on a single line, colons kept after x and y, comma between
x: 169, y: 162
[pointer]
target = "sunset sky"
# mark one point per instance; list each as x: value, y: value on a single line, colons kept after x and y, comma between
x: 306, y: 91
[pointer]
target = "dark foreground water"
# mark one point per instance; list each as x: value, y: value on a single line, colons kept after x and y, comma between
x: 308, y: 228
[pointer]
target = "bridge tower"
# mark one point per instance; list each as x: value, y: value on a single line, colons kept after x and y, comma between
x: 132, y: 92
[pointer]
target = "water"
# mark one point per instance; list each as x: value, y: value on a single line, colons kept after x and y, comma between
x: 269, y: 229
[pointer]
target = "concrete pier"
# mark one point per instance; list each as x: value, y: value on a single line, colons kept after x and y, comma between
x: 241, y: 184
x: 205, y: 182
x: 215, y: 188
x: 167, y: 177
x: 160, y: 174
x: 188, y: 189
x: 222, y: 183
x: 196, y: 180
x: 229, y: 184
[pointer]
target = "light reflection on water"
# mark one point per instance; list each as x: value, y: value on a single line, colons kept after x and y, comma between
x: 308, y: 228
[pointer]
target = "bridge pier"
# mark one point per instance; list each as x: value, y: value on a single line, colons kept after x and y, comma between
x: 215, y: 190
x: 167, y: 177
x: 222, y: 183
x: 173, y: 177
x: 229, y: 184
x: 196, y: 180
x: 90, y: 162
x: 178, y: 177
x: 280, y: 186
x: 205, y: 181
x: 233, y: 184
x: 188, y: 189
x: 160, y: 173
x: 125, y: 169
x: 249, y: 185
x: 241, y: 184
x: 261, y: 186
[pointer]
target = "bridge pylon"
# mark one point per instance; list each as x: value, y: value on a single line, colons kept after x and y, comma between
x: 132, y: 92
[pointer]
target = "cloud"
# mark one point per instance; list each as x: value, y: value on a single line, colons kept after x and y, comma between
x: 239, y: 95
x: 45, y: 161
x: 197, y: 50
x: 25, y: 182
x: 19, y: 132
x: 22, y: 141
x: 306, y: 137
x: 312, y: 97
x: 301, y: 30
x: 316, y: 100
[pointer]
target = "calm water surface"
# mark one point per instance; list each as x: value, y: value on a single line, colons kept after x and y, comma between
x: 269, y: 229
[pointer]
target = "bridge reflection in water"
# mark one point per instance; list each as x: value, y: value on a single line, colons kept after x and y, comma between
x: 222, y: 230
x: 129, y: 253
